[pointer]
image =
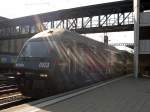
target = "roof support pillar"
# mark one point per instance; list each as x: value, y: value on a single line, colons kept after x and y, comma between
x: 136, y: 8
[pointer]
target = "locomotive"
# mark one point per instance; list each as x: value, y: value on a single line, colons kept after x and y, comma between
x: 9, y: 49
x: 58, y: 60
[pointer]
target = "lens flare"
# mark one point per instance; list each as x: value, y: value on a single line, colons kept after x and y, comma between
x: 38, y: 22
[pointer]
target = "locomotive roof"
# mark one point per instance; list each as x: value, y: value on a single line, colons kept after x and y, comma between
x: 66, y: 35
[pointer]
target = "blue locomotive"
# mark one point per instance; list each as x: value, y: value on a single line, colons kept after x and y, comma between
x: 58, y: 60
x: 7, y: 61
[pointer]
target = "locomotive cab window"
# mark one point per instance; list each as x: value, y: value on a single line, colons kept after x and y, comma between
x: 32, y: 48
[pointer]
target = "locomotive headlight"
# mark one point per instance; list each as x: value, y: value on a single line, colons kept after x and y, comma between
x: 18, y: 73
x: 43, y: 75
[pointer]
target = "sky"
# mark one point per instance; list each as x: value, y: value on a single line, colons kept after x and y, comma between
x: 19, y: 8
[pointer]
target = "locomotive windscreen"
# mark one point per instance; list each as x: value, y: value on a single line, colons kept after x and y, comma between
x: 37, y: 49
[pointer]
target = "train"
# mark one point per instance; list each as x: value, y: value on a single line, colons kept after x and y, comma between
x: 7, y: 61
x: 58, y: 60
x: 9, y: 50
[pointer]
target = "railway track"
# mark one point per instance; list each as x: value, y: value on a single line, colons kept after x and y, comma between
x: 6, y: 89
x: 4, y: 86
x: 12, y: 100
x: 6, y: 79
x: 10, y: 96
x: 9, y: 92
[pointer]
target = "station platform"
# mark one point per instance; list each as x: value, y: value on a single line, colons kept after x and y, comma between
x: 125, y: 94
